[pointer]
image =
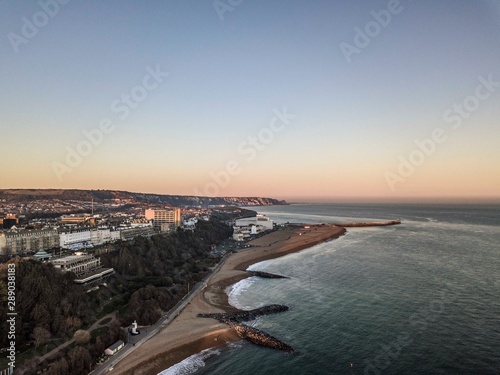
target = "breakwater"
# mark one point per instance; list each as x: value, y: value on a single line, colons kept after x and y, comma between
x: 261, y: 338
x: 369, y: 224
x: 245, y: 316
x: 248, y: 333
x: 266, y: 275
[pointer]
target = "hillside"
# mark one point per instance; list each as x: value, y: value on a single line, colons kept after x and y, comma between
x: 26, y: 195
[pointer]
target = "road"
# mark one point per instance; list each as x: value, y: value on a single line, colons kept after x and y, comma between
x: 162, y: 323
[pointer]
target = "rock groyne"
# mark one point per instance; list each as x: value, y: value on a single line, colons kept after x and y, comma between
x: 245, y: 316
x: 252, y: 334
x: 370, y: 224
x: 258, y: 337
x: 266, y: 275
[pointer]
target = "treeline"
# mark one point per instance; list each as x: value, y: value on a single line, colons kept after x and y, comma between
x: 152, y: 275
x: 45, y: 299
x: 156, y: 272
x: 50, y: 309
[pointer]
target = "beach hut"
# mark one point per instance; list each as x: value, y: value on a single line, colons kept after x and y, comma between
x: 115, y: 347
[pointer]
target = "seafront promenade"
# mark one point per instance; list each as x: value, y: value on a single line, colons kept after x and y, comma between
x: 182, y: 332
x: 185, y: 333
x: 162, y: 323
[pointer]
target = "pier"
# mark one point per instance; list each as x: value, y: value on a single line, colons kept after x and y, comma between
x: 370, y: 224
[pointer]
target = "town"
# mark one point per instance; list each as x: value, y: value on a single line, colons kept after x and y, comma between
x: 64, y: 241
x: 112, y: 252
x: 42, y: 224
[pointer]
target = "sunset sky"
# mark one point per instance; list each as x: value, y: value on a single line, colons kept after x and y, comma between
x: 315, y: 100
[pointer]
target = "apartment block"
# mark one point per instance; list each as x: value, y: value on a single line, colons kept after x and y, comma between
x: 172, y: 218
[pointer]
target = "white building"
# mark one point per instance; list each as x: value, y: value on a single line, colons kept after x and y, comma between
x: 243, y: 233
x: 87, y: 268
x: 79, y: 264
x: 190, y: 223
x: 244, y: 228
x: 100, y: 236
x: 115, y: 235
x: 76, y: 239
x: 259, y: 220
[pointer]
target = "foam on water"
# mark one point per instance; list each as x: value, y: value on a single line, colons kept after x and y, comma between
x: 433, y: 278
x: 236, y: 290
x: 191, y: 364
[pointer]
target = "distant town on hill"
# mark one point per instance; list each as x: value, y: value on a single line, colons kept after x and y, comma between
x: 125, y: 197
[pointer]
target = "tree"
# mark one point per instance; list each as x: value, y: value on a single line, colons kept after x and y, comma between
x: 40, y: 336
x: 79, y: 360
x: 72, y: 322
x: 82, y: 336
x: 59, y: 367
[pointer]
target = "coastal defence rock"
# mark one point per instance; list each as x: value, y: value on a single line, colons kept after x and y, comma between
x: 244, y: 316
x: 252, y: 334
x: 266, y: 275
x: 258, y: 337
x: 370, y: 224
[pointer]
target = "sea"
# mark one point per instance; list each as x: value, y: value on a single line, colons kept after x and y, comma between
x: 422, y: 297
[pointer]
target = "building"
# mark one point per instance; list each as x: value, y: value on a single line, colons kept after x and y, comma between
x: 170, y: 217
x: 100, y: 236
x: 3, y: 244
x: 256, y: 220
x: 79, y: 264
x: 76, y: 239
x: 87, y: 268
x: 242, y: 233
x: 244, y: 228
x: 115, y: 348
x: 190, y: 223
x: 9, y: 221
x: 42, y: 255
x: 23, y: 241
x: 74, y: 218
x: 129, y: 233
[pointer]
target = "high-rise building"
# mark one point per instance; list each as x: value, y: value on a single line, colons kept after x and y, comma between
x: 161, y: 218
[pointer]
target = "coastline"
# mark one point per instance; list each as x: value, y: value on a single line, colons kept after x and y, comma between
x: 188, y: 334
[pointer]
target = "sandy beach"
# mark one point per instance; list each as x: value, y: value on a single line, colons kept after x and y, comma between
x: 188, y: 334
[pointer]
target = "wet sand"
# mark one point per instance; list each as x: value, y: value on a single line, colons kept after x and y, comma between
x: 188, y: 334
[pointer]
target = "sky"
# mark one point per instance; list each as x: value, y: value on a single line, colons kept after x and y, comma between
x: 297, y: 100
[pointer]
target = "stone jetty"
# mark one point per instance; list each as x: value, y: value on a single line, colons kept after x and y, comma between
x: 266, y: 275
x: 252, y: 334
x: 258, y: 337
x: 245, y: 316
x: 369, y: 224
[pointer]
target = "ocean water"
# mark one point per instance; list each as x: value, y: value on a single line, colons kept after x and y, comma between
x: 422, y: 297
